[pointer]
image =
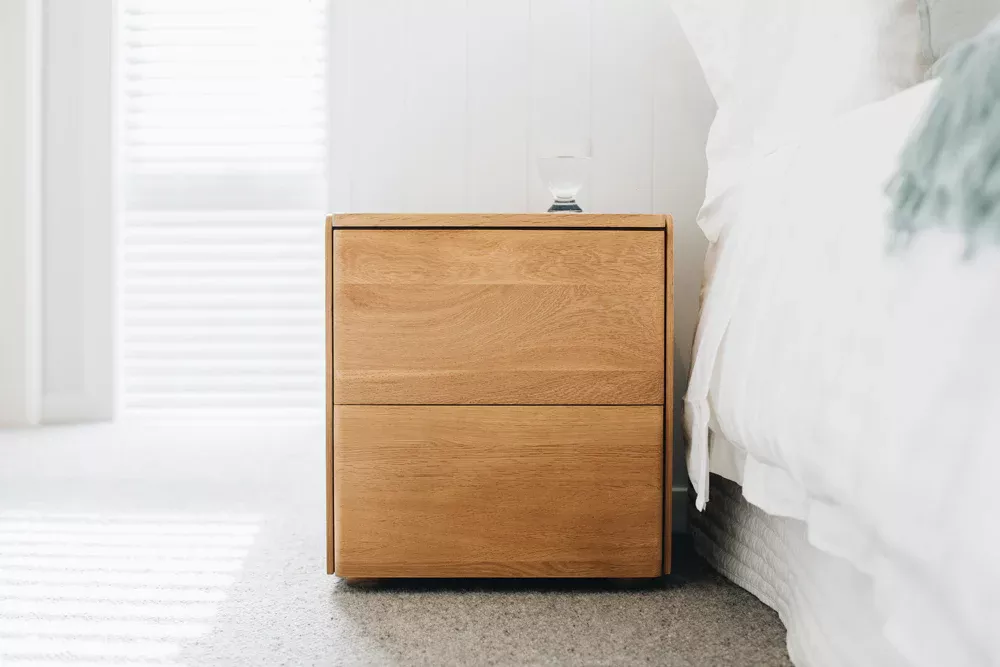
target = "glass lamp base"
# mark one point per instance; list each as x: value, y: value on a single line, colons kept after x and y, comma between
x: 565, y: 206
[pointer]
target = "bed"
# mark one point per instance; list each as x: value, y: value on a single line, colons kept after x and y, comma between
x: 844, y: 404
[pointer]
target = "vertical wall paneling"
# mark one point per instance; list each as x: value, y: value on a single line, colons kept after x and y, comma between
x: 498, y: 104
x: 377, y: 90
x: 338, y: 103
x: 560, y: 70
x: 20, y: 160
x: 622, y: 105
x: 79, y: 225
x: 62, y: 233
x: 683, y: 111
x: 435, y: 64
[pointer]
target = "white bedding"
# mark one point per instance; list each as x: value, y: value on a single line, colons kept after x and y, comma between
x: 860, y: 390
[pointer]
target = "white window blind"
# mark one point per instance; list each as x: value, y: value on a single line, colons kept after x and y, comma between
x: 224, y: 185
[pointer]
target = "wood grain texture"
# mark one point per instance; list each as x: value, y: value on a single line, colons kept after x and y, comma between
x: 498, y: 491
x: 498, y: 317
x: 330, y: 566
x: 668, y: 401
x: 539, y: 220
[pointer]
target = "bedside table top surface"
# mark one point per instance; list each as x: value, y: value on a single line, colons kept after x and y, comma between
x: 506, y: 220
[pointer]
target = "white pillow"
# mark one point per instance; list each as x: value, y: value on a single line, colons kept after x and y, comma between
x: 780, y: 68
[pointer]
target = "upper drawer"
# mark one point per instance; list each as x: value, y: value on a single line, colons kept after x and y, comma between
x: 498, y: 316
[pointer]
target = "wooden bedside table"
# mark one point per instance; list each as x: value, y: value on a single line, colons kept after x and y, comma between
x: 499, y: 395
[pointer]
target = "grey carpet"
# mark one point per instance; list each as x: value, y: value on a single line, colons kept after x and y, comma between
x: 238, y: 515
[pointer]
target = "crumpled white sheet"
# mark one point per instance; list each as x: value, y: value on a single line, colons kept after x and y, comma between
x: 862, y: 388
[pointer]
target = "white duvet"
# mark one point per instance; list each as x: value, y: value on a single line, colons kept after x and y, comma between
x: 860, y: 390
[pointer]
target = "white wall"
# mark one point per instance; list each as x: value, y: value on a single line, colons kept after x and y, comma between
x: 20, y: 178
x: 56, y: 211
x: 78, y: 211
x: 441, y: 105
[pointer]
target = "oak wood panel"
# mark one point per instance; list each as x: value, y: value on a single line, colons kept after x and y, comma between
x: 498, y: 317
x: 498, y: 491
x: 668, y: 401
x: 540, y: 220
x: 328, y: 253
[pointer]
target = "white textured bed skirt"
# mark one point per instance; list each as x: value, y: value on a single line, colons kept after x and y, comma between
x: 826, y: 605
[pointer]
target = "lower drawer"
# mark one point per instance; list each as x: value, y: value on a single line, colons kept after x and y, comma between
x: 498, y: 491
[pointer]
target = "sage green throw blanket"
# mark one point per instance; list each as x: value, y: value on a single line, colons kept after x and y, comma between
x: 949, y: 172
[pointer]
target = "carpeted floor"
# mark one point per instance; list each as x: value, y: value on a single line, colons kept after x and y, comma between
x: 144, y: 545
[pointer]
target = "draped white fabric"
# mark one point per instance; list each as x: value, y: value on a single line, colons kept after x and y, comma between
x: 859, y: 389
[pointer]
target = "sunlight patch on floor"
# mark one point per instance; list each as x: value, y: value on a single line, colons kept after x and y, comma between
x: 31, y: 662
x: 90, y: 590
